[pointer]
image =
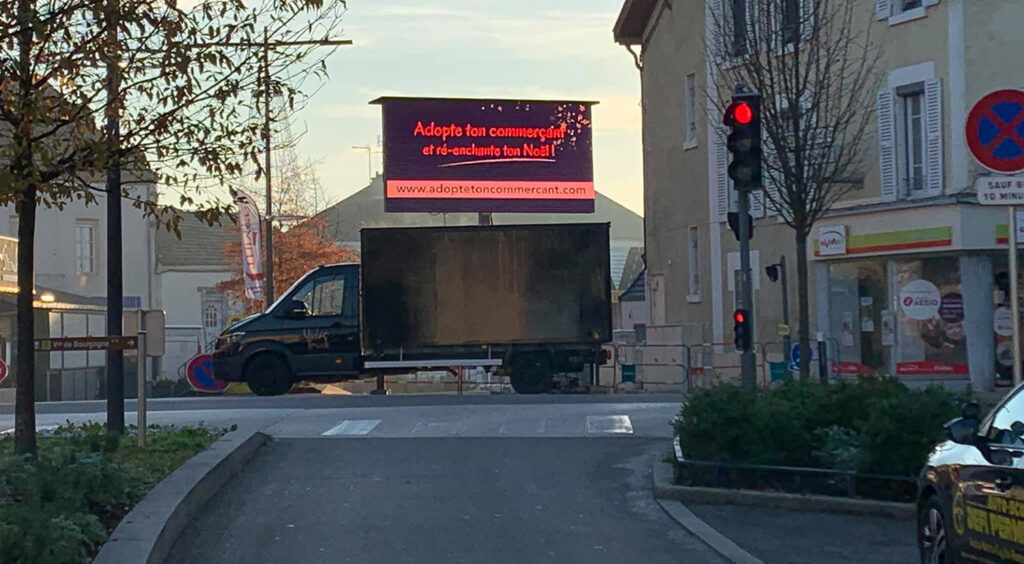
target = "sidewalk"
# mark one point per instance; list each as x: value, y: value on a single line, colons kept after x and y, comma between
x: 779, y: 536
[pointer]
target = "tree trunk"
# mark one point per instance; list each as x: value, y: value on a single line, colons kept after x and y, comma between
x: 804, y: 307
x: 115, y: 265
x: 25, y: 368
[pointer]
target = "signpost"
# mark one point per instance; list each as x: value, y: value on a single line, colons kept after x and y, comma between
x: 995, y: 136
x: 140, y: 323
x: 66, y: 344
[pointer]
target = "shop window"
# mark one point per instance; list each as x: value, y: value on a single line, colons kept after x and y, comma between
x: 930, y: 314
x: 861, y: 321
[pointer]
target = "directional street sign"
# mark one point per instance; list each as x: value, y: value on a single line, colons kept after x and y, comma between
x: 995, y: 131
x: 87, y: 344
x: 200, y: 374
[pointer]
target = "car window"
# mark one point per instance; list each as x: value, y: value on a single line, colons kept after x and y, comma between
x: 1007, y: 426
x: 323, y: 297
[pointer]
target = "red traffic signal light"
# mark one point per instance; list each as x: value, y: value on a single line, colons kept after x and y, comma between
x: 740, y: 316
x: 742, y: 330
x: 743, y: 113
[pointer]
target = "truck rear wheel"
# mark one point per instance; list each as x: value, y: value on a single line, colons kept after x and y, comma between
x: 268, y: 375
x: 531, y: 374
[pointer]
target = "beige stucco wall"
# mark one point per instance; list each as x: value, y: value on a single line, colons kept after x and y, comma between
x: 675, y: 179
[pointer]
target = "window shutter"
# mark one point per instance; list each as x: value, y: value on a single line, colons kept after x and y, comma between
x: 718, y: 28
x: 933, y: 135
x: 883, y: 9
x: 808, y: 19
x: 721, y: 177
x: 887, y: 144
x: 757, y: 204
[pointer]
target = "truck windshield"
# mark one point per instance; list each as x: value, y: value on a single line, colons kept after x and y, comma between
x: 289, y: 291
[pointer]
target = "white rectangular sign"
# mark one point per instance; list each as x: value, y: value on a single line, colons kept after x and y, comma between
x: 1000, y: 190
x: 832, y: 240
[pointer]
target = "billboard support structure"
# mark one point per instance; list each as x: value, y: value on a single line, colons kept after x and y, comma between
x: 445, y: 155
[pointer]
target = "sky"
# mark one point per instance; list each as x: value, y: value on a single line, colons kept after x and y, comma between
x: 528, y: 49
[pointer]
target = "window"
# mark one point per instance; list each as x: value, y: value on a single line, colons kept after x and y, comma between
x: 324, y: 297
x: 211, y: 316
x: 910, y: 146
x: 902, y: 11
x: 910, y: 138
x: 736, y: 21
x: 691, y: 111
x: 694, y: 264
x: 790, y: 17
x: 85, y: 247
x: 1007, y: 427
x: 12, y: 226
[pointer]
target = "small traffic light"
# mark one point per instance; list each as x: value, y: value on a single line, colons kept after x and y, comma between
x: 741, y: 327
x: 743, y: 117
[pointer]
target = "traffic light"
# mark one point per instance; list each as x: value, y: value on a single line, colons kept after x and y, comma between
x: 741, y: 327
x: 743, y: 117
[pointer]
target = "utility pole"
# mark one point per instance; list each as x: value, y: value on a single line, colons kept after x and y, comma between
x: 115, y: 267
x: 268, y: 231
x: 267, y: 45
x: 744, y: 118
x: 775, y: 272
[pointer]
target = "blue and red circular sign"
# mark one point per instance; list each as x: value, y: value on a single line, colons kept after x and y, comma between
x: 995, y: 131
x: 200, y: 375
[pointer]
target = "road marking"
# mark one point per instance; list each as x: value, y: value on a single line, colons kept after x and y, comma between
x: 349, y: 427
x: 609, y: 424
x: 535, y: 426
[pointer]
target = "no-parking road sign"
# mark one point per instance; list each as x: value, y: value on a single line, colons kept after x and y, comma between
x: 995, y: 131
x: 200, y: 375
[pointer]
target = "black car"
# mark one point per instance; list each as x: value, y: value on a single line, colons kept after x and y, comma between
x: 970, y: 502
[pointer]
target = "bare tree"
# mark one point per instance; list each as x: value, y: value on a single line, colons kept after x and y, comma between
x: 184, y: 103
x: 815, y: 64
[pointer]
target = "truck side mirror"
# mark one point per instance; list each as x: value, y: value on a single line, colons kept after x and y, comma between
x: 294, y: 309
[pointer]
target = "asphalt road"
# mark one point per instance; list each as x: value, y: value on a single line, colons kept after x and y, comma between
x: 488, y: 500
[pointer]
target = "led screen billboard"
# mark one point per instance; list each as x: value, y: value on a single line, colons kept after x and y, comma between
x: 465, y: 155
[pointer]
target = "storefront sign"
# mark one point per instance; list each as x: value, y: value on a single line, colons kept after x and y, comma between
x: 832, y: 240
x: 952, y: 308
x: 920, y: 300
x: 929, y: 368
x: 1002, y: 322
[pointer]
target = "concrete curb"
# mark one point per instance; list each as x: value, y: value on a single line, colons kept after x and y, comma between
x: 665, y: 489
x: 149, y: 531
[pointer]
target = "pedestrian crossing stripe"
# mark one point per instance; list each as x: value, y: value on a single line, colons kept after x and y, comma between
x: 352, y: 427
x: 609, y: 424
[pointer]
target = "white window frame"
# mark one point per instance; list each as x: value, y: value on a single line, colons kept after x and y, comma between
x: 906, y: 188
x: 690, y: 105
x: 892, y: 133
x: 93, y: 266
x: 693, y: 258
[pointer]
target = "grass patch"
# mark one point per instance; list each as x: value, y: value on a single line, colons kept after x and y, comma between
x: 62, y: 506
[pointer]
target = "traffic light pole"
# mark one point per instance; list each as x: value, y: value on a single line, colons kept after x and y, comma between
x: 748, y: 363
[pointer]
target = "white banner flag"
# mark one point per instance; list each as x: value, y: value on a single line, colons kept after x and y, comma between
x: 252, y: 245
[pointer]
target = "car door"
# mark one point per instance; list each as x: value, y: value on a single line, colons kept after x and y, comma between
x: 320, y: 340
x: 988, y: 504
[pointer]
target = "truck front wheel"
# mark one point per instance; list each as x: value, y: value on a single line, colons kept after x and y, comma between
x: 531, y: 373
x: 268, y: 375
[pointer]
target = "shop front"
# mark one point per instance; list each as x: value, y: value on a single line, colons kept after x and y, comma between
x: 924, y: 305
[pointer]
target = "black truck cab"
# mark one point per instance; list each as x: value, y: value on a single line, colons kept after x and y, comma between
x: 310, y: 333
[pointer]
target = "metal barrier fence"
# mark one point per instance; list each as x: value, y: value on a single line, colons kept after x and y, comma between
x: 702, y: 365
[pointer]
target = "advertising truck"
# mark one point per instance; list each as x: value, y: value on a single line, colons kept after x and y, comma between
x: 530, y: 300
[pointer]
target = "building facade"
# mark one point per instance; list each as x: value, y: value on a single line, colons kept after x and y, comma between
x: 908, y: 273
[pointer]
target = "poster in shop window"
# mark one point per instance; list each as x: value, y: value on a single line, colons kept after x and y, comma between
x: 920, y: 300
